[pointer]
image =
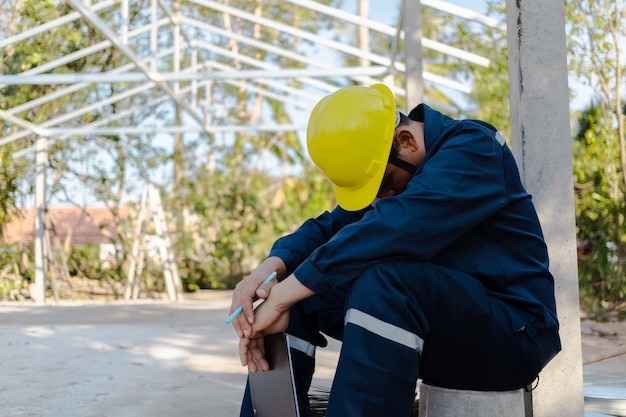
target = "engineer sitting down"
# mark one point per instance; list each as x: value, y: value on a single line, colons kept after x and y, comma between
x: 432, y: 266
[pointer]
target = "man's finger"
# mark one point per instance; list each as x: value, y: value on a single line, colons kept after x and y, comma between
x: 244, y: 327
x: 243, y: 351
x: 248, y: 313
x: 264, y: 290
x: 252, y: 366
x: 257, y: 350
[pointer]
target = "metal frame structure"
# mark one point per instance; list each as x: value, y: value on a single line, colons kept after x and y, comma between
x: 144, y: 70
x: 142, y: 74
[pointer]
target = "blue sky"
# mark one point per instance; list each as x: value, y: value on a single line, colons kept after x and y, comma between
x: 386, y: 10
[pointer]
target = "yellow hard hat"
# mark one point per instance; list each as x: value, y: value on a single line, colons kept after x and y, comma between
x: 349, y: 138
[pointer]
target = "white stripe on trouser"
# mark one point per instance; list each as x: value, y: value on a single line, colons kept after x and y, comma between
x: 301, y: 345
x: 384, y: 329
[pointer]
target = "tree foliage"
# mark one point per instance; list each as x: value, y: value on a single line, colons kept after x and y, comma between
x: 596, y: 34
x: 595, y: 40
x: 599, y: 211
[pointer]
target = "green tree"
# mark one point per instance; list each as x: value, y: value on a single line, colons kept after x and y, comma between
x: 237, y: 221
x: 598, y: 213
x: 595, y: 37
x: 595, y: 29
x: 103, y: 165
x: 232, y: 190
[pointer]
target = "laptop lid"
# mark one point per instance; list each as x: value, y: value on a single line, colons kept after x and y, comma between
x: 273, y: 392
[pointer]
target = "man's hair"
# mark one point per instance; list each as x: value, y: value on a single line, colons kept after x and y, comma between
x: 401, y: 120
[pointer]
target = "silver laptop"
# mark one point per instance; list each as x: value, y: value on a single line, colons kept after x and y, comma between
x: 273, y: 392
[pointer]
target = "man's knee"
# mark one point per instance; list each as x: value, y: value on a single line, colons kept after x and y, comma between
x: 386, y: 282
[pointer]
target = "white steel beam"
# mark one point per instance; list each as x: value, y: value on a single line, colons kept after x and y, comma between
x: 57, y: 133
x: 163, y: 77
x: 296, y: 93
x: 72, y: 88
x: 272, y: 69
x: 391, y: 31
x: 313, y: 63
x: 44, y: 127
x: 465, y: 13
x: 38, y: 130
x: 281, y: 27
x: 41, y: 247
x: 338, y: 46
x: 49, y: 66
x: 101, y: 27
x: 147, y: 130
x: 101, y: 122
x: 86, y: 109
x: 44, y: 27
x: 124, y: 22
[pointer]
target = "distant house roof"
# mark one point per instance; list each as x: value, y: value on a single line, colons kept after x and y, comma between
x: 90, y: 225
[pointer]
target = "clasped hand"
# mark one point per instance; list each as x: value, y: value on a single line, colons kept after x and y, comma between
x: 268, y: 319
x: 252, y: 324
x: 271, y: 316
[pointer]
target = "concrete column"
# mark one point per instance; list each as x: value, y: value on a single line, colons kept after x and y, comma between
x: 540, y: 129
x: 413, y: 78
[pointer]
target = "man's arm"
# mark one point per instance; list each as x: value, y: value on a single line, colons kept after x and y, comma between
x: 286, y: 254
x: 294, y: 248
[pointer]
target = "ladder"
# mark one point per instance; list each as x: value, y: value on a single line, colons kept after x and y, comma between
x: 151, y: 209
x: 56, y: 259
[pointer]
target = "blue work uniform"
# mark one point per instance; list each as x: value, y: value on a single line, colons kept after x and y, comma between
x: 447, y: 281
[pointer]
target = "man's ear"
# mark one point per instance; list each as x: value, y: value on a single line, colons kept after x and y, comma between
x: 406, y: 139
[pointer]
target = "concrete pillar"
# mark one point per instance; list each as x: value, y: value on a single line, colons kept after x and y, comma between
x: 413, y: 50
x: 443, y: 402
x: 540, y: 130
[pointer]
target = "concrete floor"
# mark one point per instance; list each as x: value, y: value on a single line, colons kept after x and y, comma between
x: 153, y: 358
x: 95, y: 359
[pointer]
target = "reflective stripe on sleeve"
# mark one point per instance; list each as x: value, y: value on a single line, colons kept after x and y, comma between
x: 500, y: 139
x: 301, y: 345
x: 384, y: 329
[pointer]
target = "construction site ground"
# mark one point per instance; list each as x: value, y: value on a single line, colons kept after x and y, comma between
x: 159, y: 358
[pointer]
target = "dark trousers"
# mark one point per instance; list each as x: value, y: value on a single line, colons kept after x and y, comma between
x: 400, y: 321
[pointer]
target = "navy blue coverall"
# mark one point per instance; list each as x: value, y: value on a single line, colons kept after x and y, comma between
x: 447, y: 281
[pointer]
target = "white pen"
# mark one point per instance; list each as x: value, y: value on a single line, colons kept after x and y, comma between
x: 240, y: 308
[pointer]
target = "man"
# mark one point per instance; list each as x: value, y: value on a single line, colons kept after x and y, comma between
x: 444, y: 277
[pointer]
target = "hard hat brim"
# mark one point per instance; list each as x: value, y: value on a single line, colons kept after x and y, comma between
x: 355, y: 200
